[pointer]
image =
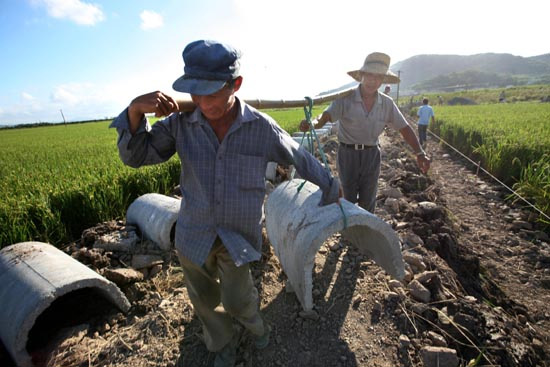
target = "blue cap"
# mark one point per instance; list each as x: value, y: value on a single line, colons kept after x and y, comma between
x: 208, y: 66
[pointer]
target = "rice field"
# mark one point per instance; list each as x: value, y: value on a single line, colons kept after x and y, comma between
x: 56, y: 181
x: 512, y: 141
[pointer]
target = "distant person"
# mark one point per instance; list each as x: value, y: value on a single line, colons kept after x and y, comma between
x: 425, y: 113
x: 502, y: 97
x: 387, y: 90
x: 224, y: 146
x: 440, y: 100
x: 363, y: 115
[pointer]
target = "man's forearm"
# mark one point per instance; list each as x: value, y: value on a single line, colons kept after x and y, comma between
x: 134, y: 119
x: 323, y: 119
x: 410, y: 137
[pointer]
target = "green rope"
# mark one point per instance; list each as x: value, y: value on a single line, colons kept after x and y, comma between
x: 308, y: 112
x: 343, y: 214
x: 301, y: 185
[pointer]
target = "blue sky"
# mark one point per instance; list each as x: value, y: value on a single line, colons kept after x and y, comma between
x: 89, y: 58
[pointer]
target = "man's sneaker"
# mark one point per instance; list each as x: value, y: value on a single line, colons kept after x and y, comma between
x: 227, y: 356
x: 260, y: 342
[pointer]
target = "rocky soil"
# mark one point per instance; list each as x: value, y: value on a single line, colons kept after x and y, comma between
x: 476, y: 292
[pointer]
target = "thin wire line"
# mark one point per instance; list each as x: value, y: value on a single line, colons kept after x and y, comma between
x: 490, y: 175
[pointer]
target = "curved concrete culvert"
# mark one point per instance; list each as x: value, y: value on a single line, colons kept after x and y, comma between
x: 155, y: 215
x: 297, y: 227
x: 33, y: 275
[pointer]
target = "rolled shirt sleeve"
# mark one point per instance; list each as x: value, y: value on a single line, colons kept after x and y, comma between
x: 148, y: 145
x: 288, y: 151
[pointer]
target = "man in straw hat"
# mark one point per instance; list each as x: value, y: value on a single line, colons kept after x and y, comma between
x: 362, y: 116
x: 224, y: 146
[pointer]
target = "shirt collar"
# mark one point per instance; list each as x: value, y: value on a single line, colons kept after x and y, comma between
x: 357, y: 95
x: 245, y: 114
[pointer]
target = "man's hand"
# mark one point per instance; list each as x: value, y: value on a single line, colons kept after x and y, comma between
x: 156, y: 102
x: 304, y: 126
x: 423, y: 162
x: 317, y: 123
x: 159, y: 103
x: 332, y: 195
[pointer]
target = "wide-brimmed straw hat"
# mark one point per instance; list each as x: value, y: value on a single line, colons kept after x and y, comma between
x: 209, y: 65
x: 376, y: 63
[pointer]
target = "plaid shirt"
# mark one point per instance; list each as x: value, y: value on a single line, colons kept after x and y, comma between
x: 222, y: 184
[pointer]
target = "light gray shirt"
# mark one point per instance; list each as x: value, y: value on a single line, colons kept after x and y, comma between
x: 357, y: 125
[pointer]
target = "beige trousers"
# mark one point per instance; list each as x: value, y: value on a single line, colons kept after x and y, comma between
x: 219, y: 280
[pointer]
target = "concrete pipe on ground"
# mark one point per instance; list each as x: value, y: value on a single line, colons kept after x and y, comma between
x: 297, y: 227
x: 155, y: 215
x: 33, y: 276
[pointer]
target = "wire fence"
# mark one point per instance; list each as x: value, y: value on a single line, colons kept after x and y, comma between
x: 478, y: 167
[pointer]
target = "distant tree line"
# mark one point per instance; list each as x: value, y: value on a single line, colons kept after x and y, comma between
x: 39, y: 124
x: 471, y: 79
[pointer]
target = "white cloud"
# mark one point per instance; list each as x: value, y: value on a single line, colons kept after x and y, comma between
x: 67, y: 94
x: 88, y: 100
x: 26, y: 96
x: 150, y: 20
x: 75, y: 10
x: 21, y: 111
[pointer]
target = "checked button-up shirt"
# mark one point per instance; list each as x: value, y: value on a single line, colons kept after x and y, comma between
x: 222, y: 183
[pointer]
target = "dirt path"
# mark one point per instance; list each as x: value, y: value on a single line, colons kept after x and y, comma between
x: 486, y: 271
x: 514, y: 254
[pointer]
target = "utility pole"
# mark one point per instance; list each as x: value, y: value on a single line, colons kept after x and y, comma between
x: 62, y: 115
x: 399, y: 76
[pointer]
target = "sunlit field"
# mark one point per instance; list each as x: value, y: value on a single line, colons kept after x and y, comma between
x: 56, y: 181
x: 512, y: 141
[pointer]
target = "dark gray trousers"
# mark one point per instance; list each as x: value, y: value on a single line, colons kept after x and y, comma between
x: 422, y: 133
x: 359, y: 171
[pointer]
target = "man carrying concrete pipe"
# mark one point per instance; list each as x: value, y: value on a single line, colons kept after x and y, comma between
x: 362, y: 117
x: 224, y: 146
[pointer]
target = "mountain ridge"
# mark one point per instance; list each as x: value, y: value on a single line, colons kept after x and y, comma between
x: 425, y: 72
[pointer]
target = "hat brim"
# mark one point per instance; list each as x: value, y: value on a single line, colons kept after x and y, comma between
x: 199, y: 87
x: 389, y: 77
